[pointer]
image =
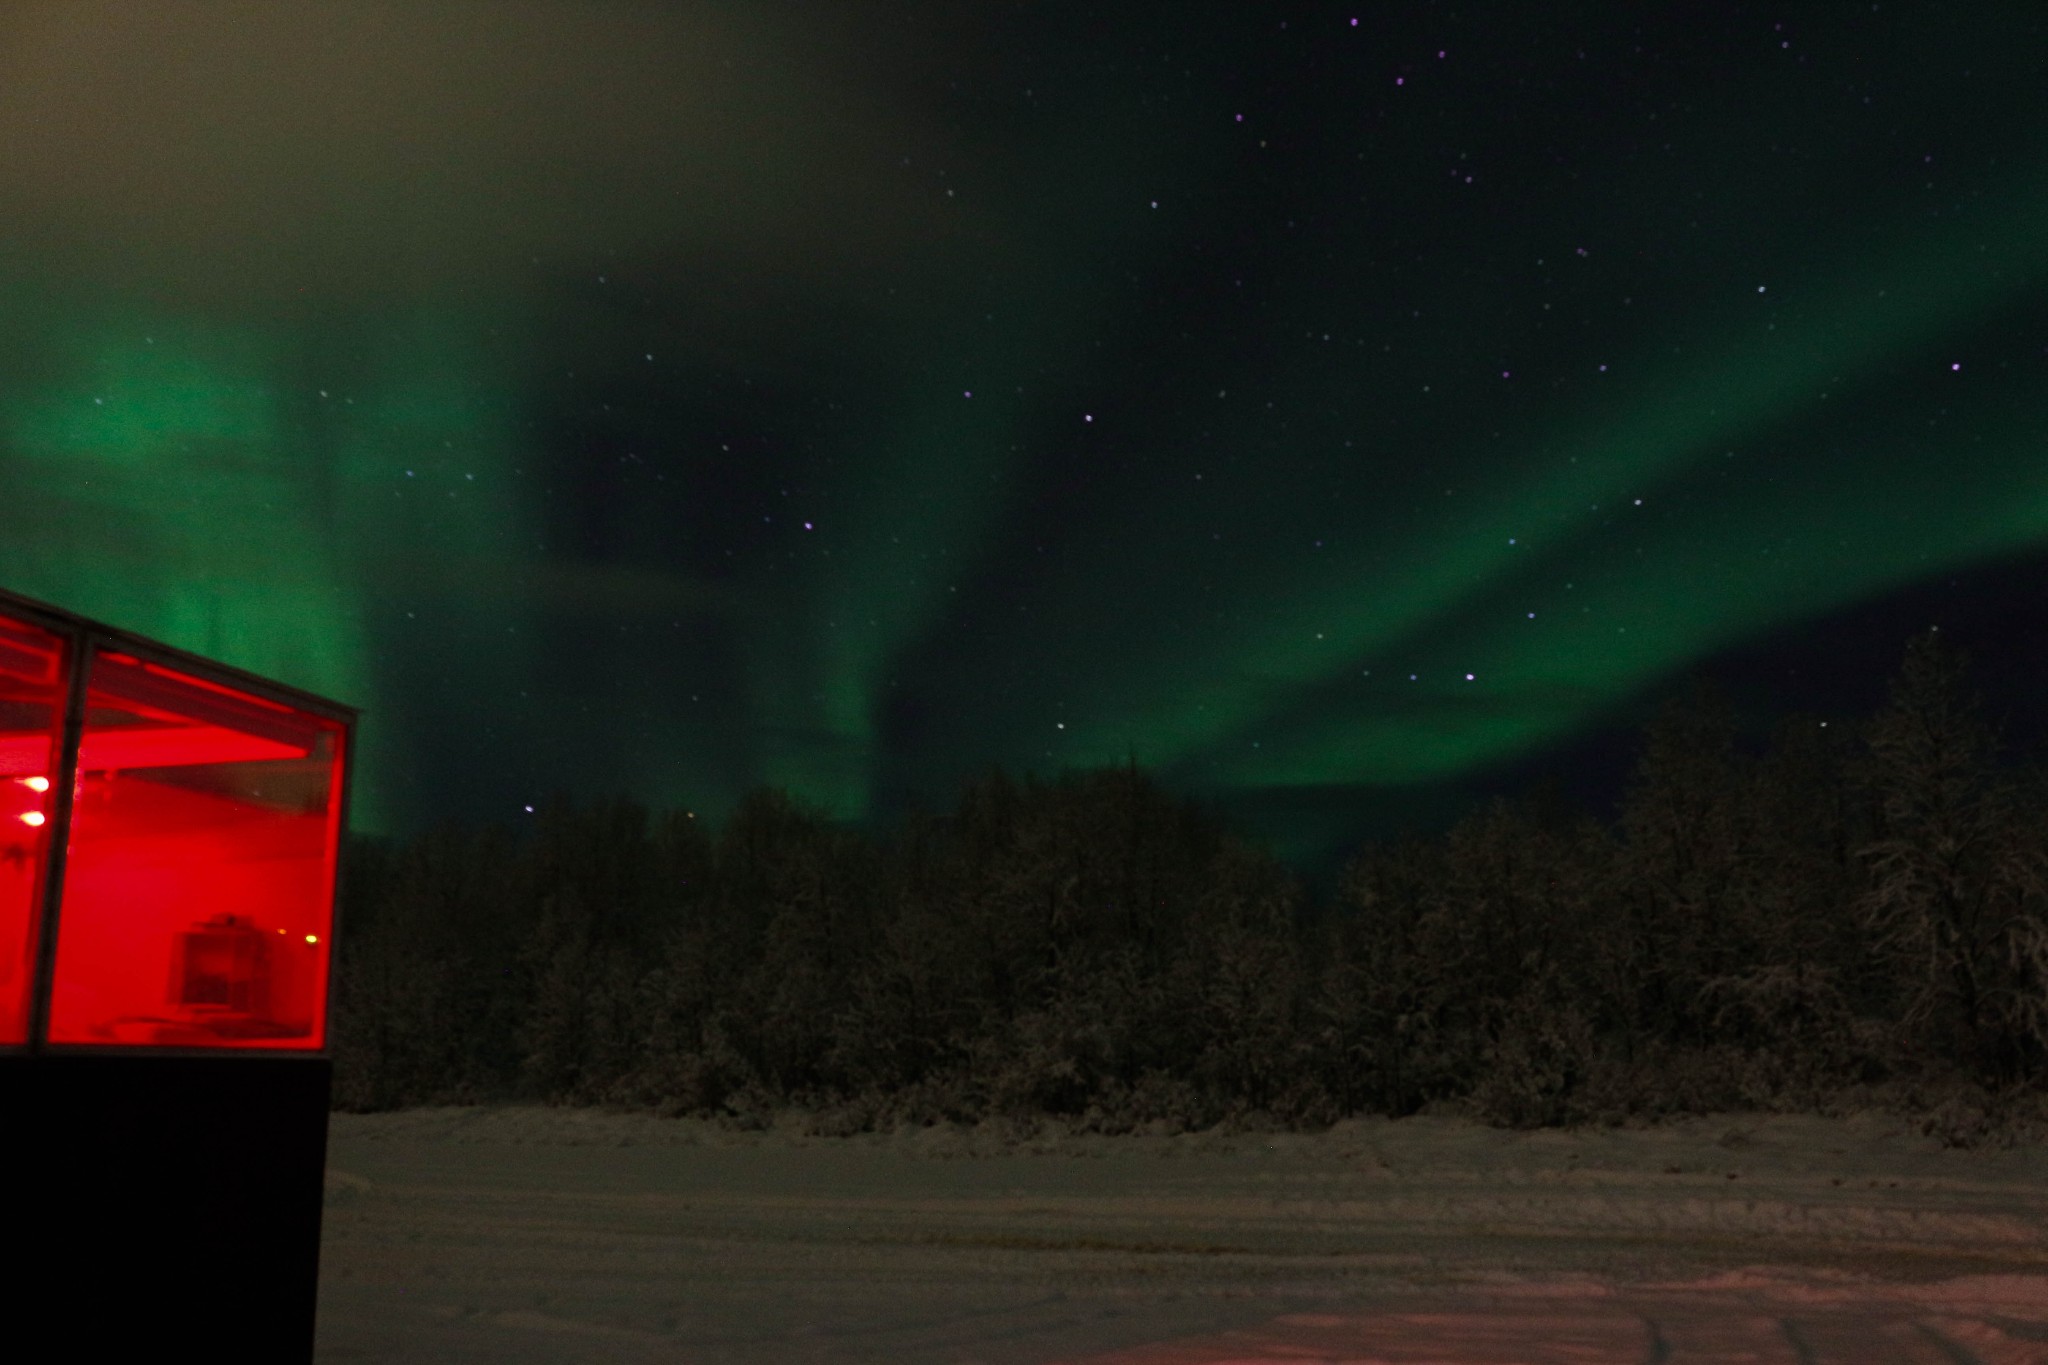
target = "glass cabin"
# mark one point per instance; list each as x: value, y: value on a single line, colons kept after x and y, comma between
x: 169, y: 830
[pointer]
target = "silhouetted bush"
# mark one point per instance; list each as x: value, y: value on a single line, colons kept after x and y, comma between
x: 1858, y: 910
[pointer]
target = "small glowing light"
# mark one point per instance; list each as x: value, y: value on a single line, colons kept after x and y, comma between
x: 34, y: 817
x: 1956, y: 366
x: 312, y: 938
x: 1468, y: 677
x: 36, y: 784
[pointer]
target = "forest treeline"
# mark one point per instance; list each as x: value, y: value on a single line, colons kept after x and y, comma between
x: 1860, y: 907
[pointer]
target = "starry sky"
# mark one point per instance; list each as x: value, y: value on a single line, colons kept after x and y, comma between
x: 1344, y: 411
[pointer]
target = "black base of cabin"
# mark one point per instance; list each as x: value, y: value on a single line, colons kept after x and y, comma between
x: 160, y: 1207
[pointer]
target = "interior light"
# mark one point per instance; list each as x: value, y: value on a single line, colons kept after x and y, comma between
x: 34, y: 817
x: 36, y: 784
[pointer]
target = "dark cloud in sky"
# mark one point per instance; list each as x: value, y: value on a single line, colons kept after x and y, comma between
x: 250, y: 151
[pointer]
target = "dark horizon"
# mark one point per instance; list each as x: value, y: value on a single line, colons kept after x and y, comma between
x: 1315, y: 835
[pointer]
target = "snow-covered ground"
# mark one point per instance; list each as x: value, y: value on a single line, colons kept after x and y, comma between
x: 537, y: 1235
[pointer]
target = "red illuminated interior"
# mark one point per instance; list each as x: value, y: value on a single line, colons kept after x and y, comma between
x: 199, y: 872
x: 31, y: 717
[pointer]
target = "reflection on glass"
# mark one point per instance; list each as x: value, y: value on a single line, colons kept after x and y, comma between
x: 31, y: 715
x: 198, y: 884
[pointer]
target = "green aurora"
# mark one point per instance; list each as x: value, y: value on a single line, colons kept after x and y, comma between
x: 1033, y: 429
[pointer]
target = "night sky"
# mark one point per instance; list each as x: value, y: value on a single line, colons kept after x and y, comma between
x: 1344, y: 411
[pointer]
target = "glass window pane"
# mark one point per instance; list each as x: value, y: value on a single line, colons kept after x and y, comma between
x: 31, y: 718
x: 199, y: 876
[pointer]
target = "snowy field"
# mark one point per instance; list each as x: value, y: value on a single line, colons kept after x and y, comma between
x: 535, y: 1235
